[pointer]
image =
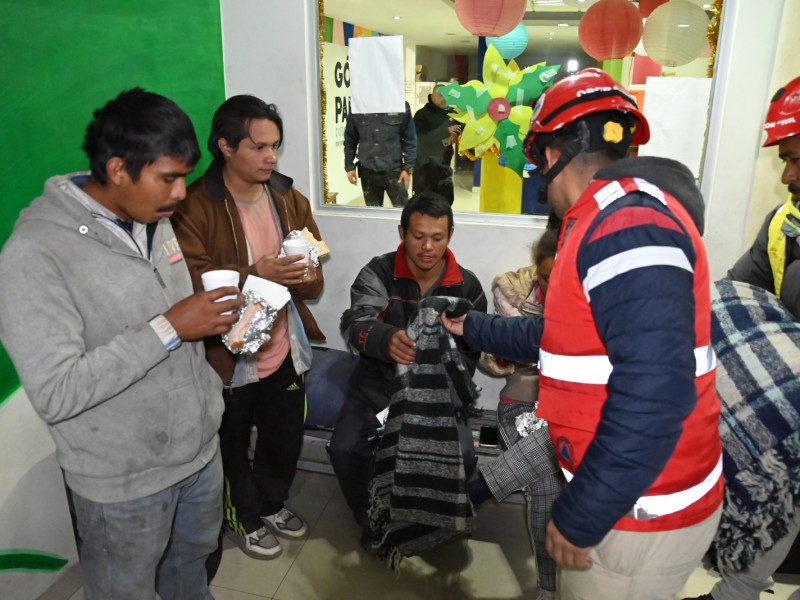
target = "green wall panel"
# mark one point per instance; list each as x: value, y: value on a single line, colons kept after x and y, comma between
x: 61, y: 60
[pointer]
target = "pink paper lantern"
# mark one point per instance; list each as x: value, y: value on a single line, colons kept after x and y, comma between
x: 490, y: 18
x: 610, y: 29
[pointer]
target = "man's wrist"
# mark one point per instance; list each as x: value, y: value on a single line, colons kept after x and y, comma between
x: 165, y: 332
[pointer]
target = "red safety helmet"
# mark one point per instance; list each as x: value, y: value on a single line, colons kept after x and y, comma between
x: 587, y: 92
x: 783, y: 114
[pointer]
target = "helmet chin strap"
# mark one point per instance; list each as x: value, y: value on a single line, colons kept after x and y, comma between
x: 580, y: 142
x: 569, y: 152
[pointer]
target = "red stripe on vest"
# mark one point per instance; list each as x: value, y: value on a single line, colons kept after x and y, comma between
x: 634, y: 216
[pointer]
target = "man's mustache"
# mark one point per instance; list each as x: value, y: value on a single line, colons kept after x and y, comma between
x: 794, y: 189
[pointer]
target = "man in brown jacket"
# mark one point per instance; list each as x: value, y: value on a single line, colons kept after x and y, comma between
x: 236, y: 217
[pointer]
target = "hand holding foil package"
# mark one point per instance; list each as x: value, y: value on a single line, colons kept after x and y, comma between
x: 256, y: 318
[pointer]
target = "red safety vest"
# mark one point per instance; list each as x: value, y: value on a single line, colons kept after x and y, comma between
x: 574, y: 370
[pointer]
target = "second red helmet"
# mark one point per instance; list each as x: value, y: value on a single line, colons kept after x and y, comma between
x: 783, y: 114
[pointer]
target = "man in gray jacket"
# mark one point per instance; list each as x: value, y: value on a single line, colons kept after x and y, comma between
x: 98, y: 316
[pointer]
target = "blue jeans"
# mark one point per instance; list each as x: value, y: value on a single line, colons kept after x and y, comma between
x: 160, y: 542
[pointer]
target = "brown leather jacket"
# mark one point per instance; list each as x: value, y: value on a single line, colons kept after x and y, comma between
x: 211, y: 236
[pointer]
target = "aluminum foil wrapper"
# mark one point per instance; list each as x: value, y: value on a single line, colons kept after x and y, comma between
x: 257, y: 332
x: 528, y: 422
x: 313, y: 253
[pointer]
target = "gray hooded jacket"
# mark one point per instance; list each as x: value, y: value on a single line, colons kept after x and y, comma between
x: 128, y: 418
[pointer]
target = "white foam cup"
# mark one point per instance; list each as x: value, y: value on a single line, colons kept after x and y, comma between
x: 220, y: 278
x: 298, y: 246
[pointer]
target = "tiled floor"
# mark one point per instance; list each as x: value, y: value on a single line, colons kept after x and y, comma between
x: 494, y: 563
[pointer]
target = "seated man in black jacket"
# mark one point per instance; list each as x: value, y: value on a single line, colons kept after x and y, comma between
x: 384, y: 301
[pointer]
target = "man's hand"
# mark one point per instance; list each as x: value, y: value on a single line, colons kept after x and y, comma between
x: 455, y: 131
x: 310, y: 272
x: 352, y: 177
x: 405, y: 178
x: 454, y: 325
x: 402, y: 349
x: 199, y: 316
x: 563, y: 552
x: 283, y: 270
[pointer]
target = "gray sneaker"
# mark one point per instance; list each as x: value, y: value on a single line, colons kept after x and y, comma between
x: 260, y: 544
x: 286, y: 524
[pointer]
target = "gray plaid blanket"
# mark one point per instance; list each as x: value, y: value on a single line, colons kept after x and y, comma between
x: 757, y: 342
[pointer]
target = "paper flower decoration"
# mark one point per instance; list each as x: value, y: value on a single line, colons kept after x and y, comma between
x: 496, y: 112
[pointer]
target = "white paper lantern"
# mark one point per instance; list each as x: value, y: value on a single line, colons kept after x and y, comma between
x: 675, y: 33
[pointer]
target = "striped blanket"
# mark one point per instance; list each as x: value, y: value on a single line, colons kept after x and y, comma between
x: 757, y: 342
x: 418, y: 493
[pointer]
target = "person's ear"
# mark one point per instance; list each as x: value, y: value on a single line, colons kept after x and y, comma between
x: 450, y: 235
x: 401, y: 232
x: 116, y: 173
x: 224, y: 147
x: 551, y: 155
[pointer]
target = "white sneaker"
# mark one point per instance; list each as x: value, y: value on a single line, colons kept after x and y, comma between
x: 544, y: 595
x: 260, y: 544
x: 285, y: 523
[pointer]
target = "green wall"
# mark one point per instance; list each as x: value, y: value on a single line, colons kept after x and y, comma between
x: 60, y: 60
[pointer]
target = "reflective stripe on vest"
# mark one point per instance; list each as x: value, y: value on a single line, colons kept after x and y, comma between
x: 776, y: 245
x: 596, y: 369
x: 614, y: 191
x: 622, y: 262
x: 651, y: 507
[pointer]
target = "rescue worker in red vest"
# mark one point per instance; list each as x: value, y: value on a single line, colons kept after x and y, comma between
x: 772, y: 261
x: 626, y: 369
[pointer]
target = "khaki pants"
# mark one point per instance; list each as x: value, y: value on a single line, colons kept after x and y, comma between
x: 629, y: 565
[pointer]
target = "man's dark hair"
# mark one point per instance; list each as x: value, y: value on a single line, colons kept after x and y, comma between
x: 427, y: 203
x: 139, y: 127
x: 232, y: 121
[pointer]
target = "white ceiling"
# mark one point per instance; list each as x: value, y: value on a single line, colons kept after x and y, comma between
x: 433, y: 23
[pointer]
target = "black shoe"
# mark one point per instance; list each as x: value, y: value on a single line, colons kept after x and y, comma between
x: 703, y: 597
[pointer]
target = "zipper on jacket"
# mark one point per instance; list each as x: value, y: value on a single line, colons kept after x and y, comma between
x: 233, y: 230
x: 286, y: 210
x: 158, y: 276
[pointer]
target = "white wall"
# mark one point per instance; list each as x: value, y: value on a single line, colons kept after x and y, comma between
x: 488, y: 244
x: 33, y: 502
x: 746, y: 51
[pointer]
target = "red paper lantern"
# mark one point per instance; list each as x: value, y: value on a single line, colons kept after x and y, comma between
x: 648, y: 6
x: 610, y: 29
x: 490, y: 18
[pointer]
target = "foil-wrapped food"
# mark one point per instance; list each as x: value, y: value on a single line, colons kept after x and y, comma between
x: 528, y: 422
x: 251, y: 331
